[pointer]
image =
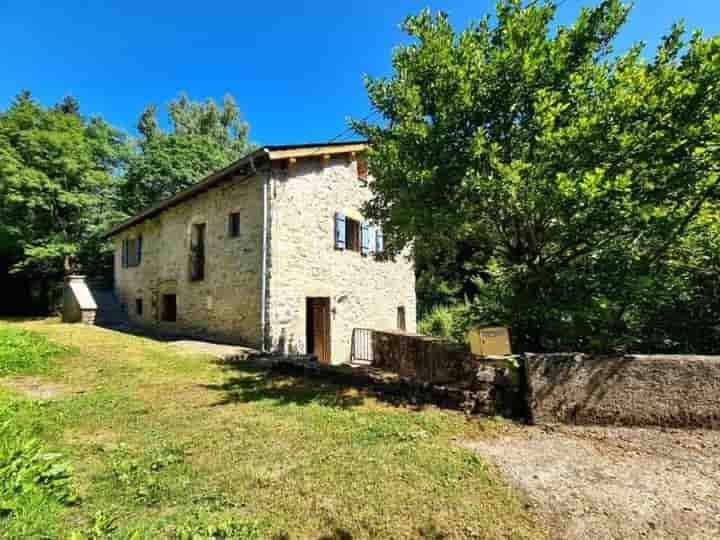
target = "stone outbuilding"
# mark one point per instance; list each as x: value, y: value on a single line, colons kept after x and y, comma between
x: 272, y: 252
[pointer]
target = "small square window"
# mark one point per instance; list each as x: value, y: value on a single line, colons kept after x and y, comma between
x: 139, y: 307
x: 234, y: 225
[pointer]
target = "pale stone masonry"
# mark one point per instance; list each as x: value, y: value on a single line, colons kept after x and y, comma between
x: 284, y: 281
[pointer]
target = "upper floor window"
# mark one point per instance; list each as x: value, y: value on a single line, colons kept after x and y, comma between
x: 401, y: 318
x: 351, y: 234
x: 234, y: 225
x: 197, y: 252
x: 131, y: 252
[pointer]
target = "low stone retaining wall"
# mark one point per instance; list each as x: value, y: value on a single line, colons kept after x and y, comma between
x: 422, y: 357
x: 667, y: 391
x: 654, y: 390
x: 488, y: 386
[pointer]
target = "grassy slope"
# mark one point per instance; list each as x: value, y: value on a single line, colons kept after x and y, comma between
x: 161, y: 440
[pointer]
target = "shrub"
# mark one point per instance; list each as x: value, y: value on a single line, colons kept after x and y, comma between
x: 446, y: 322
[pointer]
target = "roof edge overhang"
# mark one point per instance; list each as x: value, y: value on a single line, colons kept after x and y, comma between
x: 309, y: 150
x: 245, y: 166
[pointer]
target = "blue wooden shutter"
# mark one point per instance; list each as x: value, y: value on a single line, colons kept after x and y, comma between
x: 378, y: 241
x: 124, y: 253
x: 339, y: 230
x: 365, y: 239
x: 139, y: 249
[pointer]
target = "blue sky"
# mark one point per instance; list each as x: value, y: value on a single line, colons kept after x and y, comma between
x: 295, y: 68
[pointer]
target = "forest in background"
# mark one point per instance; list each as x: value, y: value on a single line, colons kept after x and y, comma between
x: 66, y: 178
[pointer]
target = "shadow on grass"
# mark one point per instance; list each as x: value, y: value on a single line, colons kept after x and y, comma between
x: 22, y: 318
x: 283, y: 387
x: 260, y: 384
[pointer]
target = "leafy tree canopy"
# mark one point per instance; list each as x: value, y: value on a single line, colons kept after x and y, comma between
x: 567, y: 176
x: 57, y: 185
x: 55, y: 172
x: 202, y: 138
x: 66, y: 178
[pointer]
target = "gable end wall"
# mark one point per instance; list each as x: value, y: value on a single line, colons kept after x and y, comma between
x: 363, y: 292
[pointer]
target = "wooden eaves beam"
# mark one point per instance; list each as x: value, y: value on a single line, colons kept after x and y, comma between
x: 317, y: 151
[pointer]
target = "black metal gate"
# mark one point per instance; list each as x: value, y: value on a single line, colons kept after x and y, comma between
x: 361, y: 349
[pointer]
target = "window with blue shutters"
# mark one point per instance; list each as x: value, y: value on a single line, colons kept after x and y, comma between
x: 365, y: 239
x: 379, y: 246
x: 339, y: 231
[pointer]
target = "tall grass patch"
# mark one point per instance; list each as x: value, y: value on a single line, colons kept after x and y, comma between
x: 34, y: 482
x: 23, y: 352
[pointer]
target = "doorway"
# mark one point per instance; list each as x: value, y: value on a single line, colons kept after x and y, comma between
x: 169, y: 308
x: 318, y: 328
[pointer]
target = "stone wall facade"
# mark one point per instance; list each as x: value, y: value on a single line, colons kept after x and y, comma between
x: 226, y: 303
x: 654, y: 390
x: 363, y: 292
x: 302, y: 262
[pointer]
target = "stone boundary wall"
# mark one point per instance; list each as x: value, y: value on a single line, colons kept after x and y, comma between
x: 425, y: 358
x: 432, y: 362
x: 654, y: 390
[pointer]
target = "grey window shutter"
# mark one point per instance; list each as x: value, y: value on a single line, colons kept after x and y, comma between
x: 379, y: 241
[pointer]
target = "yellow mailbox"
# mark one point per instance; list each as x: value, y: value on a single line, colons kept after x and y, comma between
x: 490, y: 340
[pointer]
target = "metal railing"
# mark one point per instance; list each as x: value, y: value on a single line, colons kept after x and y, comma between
x: 361, y: 348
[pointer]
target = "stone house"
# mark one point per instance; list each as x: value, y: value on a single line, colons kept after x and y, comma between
x: 272, y: 252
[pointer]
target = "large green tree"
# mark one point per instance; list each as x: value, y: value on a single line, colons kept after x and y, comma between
x: 57, y: 184
x: 202, y: 138
x: 567, y: 176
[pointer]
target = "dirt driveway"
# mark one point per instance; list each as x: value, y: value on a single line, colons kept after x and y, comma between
x: 602, y: 482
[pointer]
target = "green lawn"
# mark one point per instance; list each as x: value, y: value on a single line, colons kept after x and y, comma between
x: 166, y: 444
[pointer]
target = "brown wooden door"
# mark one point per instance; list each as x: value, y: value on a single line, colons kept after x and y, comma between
x: 319, y: 328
